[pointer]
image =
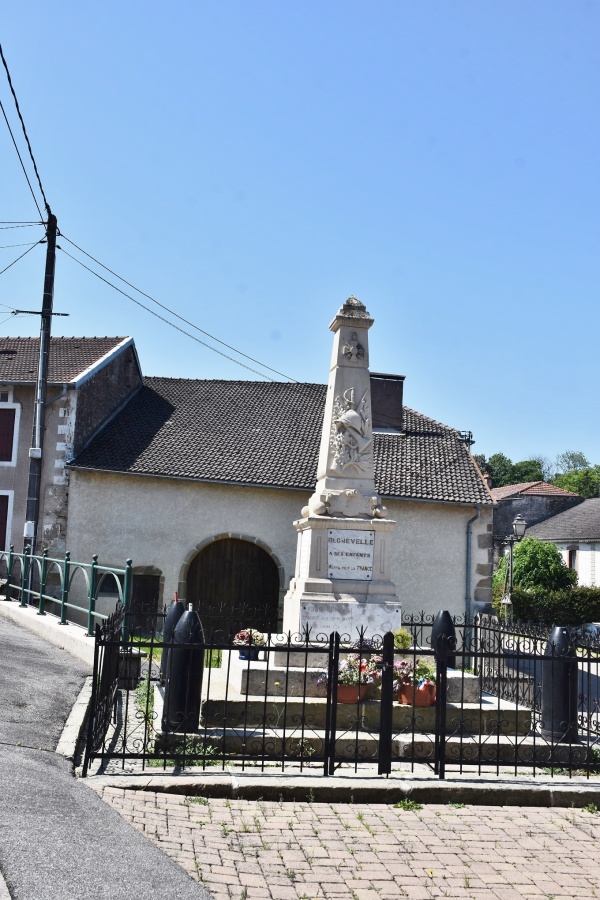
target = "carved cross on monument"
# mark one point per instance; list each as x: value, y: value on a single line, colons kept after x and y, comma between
x: 342, y: 580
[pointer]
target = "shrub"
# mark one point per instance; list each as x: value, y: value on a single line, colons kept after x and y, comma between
x: 567, y: 607
x: 402, y: 639
x: 537, y: 564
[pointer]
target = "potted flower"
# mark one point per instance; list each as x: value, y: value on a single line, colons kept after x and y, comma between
x: 252, y: 640
x: 414, y: 682
x: 354, y: 676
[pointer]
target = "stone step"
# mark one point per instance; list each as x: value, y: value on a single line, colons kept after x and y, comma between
x: 310, y: 744
x: 258, y: 678
x: 484, y: 717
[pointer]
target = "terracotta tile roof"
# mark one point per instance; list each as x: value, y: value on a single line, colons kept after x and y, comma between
x: 69, y: 357
x: 266, y: 433
x: 530, y: 487
x: 581, y: 523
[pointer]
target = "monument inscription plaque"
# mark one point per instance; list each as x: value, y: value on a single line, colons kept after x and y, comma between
x: 350, y: 554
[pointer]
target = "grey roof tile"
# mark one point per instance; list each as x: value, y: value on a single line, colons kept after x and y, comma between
x: 580, y: 523
x: 268, y: 433
x: 69, y: 357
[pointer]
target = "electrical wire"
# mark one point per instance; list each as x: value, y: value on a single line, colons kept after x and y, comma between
x: 35, y: 168
x: 12, y: 316
x: 173, y: 313
x: 18, y: 225
x: 162, y: 318
x: 19, y: 257
x: 8, y: 246
x: 20, y: 158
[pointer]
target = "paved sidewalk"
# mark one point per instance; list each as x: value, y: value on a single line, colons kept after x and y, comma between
x: 58, y: 841
x: 303, y: 851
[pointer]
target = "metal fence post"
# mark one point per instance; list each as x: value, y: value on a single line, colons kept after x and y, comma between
x: 442, y: 645
x: 44, y: 567
x: 331, y: 710
x: 64, y: 594
x: 127, y: 585
x: 11, y: 552
x: 25, y: 559
x: 386, y: 710
x: 92, y: 596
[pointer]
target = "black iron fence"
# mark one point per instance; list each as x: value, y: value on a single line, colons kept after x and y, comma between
x: 452, y: 696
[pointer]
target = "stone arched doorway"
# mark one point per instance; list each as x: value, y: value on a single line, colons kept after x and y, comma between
x: 234, y: 584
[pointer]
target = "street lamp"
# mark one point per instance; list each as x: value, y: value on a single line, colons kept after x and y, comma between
x: 518, y: 526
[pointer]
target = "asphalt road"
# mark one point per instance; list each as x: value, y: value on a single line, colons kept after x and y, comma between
x: 58, y: 840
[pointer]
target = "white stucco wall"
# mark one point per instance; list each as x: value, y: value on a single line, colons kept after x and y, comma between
x: 588, y: 562
x: 159, y: 522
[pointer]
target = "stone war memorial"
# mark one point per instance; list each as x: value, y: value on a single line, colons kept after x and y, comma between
x: 336, y: 681
x: 342, y: 580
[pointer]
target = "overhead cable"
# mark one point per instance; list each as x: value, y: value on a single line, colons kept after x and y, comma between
x: 162, y: 318
x: 176, y: 315
x: 25, y: 134
x: 19, y: 257
x: 20, y: 158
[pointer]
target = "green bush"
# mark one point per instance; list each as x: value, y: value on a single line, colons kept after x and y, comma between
x: 537, y: 564
x: 402, y: 639
x: 572, y: 606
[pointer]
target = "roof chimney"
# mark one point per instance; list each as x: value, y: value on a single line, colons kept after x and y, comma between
x: 387, y: 401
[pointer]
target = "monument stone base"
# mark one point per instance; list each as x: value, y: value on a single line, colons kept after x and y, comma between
x: 342, y: 581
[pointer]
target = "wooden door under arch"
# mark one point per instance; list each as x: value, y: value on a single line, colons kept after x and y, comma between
x: 234, y: 584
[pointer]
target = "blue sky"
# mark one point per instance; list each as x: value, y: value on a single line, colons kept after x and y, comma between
x: 251, y: 164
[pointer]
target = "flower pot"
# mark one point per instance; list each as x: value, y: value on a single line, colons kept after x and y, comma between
x: 250, y: 653
x: 351, y: 693
x: 417, y: 696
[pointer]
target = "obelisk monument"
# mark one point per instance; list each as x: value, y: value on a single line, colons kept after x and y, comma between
x: 342, y: 580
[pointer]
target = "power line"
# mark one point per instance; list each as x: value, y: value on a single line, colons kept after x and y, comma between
x: 20, y: 158
x: 19, y: 257
x: 176, y: 315
x: 26, y: 137
x: 18, y: 224
x: 8, y: 246
x: 162, y: 318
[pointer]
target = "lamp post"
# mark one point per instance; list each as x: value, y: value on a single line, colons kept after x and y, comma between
x: 518, y: 526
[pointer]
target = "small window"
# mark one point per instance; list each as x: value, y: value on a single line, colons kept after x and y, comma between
x: 7, y: 433
x: 573, y: 559
x: 3, y: 396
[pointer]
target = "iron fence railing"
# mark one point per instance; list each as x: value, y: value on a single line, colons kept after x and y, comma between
x: 69, y: 590
x: 499, y: 700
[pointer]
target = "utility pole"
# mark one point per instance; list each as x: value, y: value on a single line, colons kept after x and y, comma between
x: 37, y: 440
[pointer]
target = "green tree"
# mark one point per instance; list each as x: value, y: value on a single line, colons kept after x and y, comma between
x: 585, y: 482
x: 527, y: 470
x: 537, y: 564
x: 571, y: 460
x: 500, y: 468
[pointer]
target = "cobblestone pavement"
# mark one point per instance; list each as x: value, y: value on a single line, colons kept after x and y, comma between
x: 302, y: 851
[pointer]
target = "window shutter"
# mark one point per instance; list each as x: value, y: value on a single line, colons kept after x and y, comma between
x: 7, y: 429
x: 3, y: 520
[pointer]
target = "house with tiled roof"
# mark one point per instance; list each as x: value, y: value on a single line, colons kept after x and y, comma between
x: 200, y: 481
x: 534, y: 501
x: 576, y: 533
x: 89, y: 379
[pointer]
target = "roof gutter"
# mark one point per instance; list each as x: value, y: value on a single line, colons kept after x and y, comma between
x: 468, y: 598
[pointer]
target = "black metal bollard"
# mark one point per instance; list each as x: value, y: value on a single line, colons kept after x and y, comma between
x: 184, y: 678
x: 171, y: 620
x: 559, y: 689
x: 443, y: 627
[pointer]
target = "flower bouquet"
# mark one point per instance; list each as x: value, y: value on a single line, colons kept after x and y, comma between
x: 354, y: 676
x: 414, y: 682
x: 252, y: 640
